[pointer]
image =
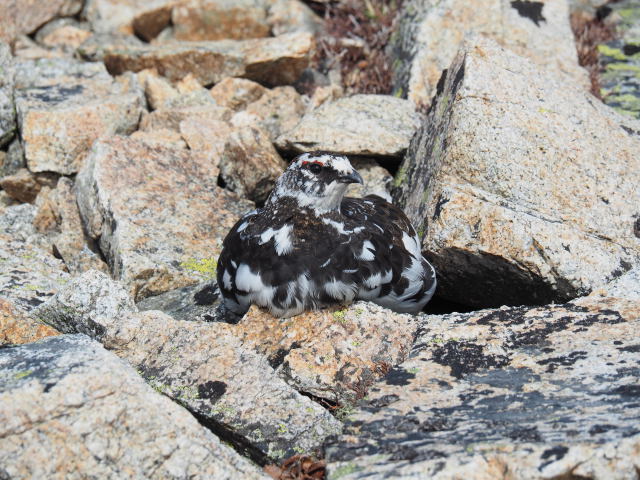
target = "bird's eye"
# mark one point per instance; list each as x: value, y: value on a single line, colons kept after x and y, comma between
x: 315, y: 168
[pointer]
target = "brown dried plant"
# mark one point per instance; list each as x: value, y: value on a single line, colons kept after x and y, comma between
x: 357, y: 34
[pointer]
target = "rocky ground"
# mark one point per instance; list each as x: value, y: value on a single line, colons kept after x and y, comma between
x: 133, y: 134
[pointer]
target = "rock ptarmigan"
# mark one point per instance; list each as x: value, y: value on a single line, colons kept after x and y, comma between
x: 310, y: 247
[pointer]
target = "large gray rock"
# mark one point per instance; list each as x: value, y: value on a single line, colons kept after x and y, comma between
x: 271, y: 61
x: 195, y: 302
x: 156, y: 211
x: 430, y: 33
x: 7, y: 106
x: 203, y: 366
x: 64, y: 106
x: 377, y: 125
x: 522, y: 186
x: 29, y: 273
x: 513, y: 393
x: 70, y: 409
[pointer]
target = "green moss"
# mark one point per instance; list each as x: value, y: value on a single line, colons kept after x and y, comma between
x: 258, y: 435
x: 205, y: 267
x: 413, y: 370
x: 344, y: 470
x: 611, y: 52
x: 629, y: 14
x: 223, y: 409
x: 623, y: 67
x: 340, y: 316
x: 277, y: 453
x: 401, y: 176
x: 345, y: 411
x: 282, y: 429
x: 22, y: 374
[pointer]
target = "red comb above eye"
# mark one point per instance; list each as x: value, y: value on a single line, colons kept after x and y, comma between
x: 310, y: 161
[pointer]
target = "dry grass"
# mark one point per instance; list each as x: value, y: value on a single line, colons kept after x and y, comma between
x: 298, y: 467
x: 589, y: 32
x: 357, y: 33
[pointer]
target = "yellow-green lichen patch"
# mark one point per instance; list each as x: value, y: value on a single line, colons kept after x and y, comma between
x: 340, y: 316
x: 223, y: 410
x: 206, y: 267
x: 401, y: 176
x: 344, y: 412
x: 343, y: 471
x: 23, y: 374
x: 612, y: 52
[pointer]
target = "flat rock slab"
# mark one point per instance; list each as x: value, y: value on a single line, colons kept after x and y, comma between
x: 29, y: 273
x: 431, y: 33
x: 158, y: 213
x: 194, y: 303
x: 70, y: 408
x: 196, y: 20
x: 203, y: 366
x: 522, y: 186
x: 63, y: 106
x: 200, y: 19
x: 513, y: 393
x: 377, y: 125
x: 270, y: 61
x: 120, y: 16
x: 334, y: 354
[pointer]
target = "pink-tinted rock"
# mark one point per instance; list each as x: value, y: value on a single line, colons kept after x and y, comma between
x: 250, y: 164
x: 64, y: 106
x: 157, y: 212
x: 271, y: 61
x: 196, y: 20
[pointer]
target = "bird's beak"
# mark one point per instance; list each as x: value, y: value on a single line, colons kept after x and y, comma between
x: 353, y: 177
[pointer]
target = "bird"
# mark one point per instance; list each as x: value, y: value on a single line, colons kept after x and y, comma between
x: 310, y: 247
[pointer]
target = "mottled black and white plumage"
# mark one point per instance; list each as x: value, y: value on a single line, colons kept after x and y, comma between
x: 309, y: 247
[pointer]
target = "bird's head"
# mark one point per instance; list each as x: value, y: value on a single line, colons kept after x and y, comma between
x: 317, y: 180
